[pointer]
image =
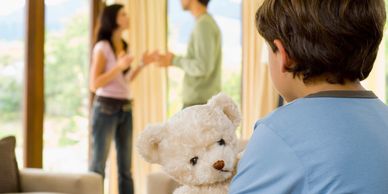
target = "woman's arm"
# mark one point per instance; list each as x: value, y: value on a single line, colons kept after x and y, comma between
x: 134, y: 73
x: 99, y: 78
x: 146, y: 60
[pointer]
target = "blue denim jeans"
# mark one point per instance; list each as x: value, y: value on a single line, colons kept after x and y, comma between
x: 111, y: 121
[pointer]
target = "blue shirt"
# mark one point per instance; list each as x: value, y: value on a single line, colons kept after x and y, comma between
x: 328, y: 143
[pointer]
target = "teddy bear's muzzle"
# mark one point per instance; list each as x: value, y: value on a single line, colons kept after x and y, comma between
x: 219, y: 165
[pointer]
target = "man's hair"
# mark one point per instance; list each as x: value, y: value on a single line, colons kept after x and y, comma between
x: 204, y: 2
x: 338, y: 39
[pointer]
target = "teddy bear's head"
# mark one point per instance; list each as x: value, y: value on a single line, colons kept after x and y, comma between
x: 198, y: 145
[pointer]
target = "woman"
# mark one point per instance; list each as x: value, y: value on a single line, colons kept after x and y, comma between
x: 112, y: 116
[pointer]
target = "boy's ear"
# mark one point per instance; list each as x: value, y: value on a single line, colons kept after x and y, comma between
x: 285, y: 59
x: 148, y: 143
x: 227, y: 105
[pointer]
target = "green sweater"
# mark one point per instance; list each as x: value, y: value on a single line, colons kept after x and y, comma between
x: 202, y: 63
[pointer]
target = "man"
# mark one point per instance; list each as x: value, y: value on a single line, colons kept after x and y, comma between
x: 202, y: 63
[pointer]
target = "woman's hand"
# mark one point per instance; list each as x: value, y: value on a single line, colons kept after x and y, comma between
x: 124, y: 61
x: 150, y: 58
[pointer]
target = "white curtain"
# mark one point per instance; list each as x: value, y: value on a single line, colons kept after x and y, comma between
x: 148, y: 31
x: 258, y: 94
x: 376, y: 80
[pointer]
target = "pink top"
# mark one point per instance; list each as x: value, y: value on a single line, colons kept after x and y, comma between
x: 117, y: 88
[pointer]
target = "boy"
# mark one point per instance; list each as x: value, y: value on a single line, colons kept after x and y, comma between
x: 333, y: 135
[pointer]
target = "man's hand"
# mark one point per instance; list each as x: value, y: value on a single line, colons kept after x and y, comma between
x: 149, y: 58
x: 166, y: 60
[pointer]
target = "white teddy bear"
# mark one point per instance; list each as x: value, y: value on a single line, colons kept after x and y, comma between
x: 197, y: 147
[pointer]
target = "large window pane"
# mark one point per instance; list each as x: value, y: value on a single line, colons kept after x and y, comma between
x: 227, y: 14
x: 12, y: 25
x: 66, y: 91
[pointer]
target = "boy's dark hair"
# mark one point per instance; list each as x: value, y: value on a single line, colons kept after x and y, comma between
x: 338, y: 39
x: 204, y: 2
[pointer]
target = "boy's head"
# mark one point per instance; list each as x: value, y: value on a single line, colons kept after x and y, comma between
x: 311, y: 41
x: 186, y: 4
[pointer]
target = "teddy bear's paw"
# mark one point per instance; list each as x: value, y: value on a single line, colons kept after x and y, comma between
x: 186, y: 190
x: 201, y: 190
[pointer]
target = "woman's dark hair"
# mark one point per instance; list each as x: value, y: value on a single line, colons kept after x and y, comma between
x: 204, y: 2
x: 107, y: 25
x: 334, y: 38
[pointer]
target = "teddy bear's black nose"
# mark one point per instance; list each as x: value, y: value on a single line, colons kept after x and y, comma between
x: 219, y: 165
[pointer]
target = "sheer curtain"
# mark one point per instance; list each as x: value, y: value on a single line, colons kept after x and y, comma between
x: 148, y: 31
x: 258, y: 95
x: 376, y: 80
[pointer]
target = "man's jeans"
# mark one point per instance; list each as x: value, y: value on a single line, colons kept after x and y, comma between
x: 113, y: 121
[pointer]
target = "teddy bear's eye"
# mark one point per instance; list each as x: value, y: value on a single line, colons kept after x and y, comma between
x: 194, y: 160
x: 221, y: 142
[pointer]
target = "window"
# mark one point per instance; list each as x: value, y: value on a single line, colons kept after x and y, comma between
x: 66, y: 89
x: 12, y: 25
x: 227, y: 14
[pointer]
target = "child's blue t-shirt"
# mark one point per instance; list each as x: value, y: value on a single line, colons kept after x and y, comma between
x: 326, y: 143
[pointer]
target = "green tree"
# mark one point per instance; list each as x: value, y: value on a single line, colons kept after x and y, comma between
x: 66, y: 79
x: 10, y: 98
x: 66, y: 68
x: 11, y: 87
x: 232, y: 86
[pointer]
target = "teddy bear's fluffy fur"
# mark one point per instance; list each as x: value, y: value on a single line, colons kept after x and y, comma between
x: 197, y: 147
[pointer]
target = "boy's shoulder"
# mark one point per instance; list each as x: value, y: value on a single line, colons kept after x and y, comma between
x: 316, y: 112
x: 283, y: 114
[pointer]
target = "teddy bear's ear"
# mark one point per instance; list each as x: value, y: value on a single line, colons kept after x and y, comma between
x: 227, y: 105
x: 148, y: 142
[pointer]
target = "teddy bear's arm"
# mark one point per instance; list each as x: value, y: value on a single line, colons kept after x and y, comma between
x: 202, y: 190
x: 185, y: 190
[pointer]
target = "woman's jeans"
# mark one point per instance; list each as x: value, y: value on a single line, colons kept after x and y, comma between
x: 113, y: 120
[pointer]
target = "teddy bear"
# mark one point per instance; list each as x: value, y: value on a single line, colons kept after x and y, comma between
x: 197, y: 147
